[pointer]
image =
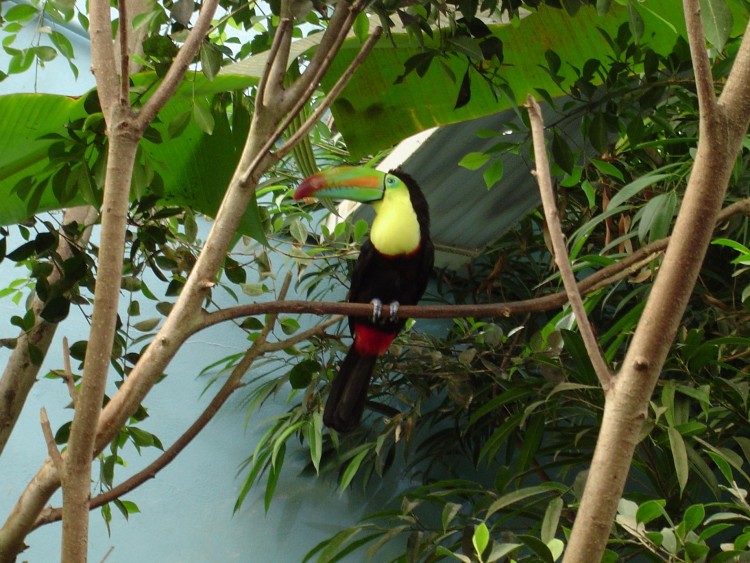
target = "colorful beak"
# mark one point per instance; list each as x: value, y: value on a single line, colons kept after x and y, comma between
x: 344, y: 182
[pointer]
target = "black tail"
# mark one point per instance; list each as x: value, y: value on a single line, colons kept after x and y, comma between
x: 346, y: 401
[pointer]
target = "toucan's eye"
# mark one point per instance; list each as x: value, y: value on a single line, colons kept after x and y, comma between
x: 391, y: 181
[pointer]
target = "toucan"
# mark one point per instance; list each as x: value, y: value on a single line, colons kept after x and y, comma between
x: 393, y: 269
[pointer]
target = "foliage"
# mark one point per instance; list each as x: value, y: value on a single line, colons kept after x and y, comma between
x: 488, y: 424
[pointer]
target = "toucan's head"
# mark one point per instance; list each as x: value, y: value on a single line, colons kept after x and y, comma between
x: 354, y: 183
x: 402, y: 217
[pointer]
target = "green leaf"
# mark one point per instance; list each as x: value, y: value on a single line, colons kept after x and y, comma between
x: 21, y: 13
x: 717, y: 21
x: 361, y: 26
x: 63, y: 44
x: 650, y: 510
x: 55, y: 310
x: 45, y: 53
x: 21, y: 61
x: 301, y: 374
x: 679, y: 456
x: 449, y: 513
x: 474, y: 160
x: 551, y: 519
x: 493, y: 174
x: 147, y: 325
x: 203, y: 118
x: 315, y: 439
x: 211, y: 59
x: 693, y: 517
x: 561, y: 153
x: 597, y: 133
x: 500, y: 550
x: 274, y: 472
x: 480, y: 538
x: 351, y: 470
x: 656, y: 218
x: 538, y: 547
x: 298, y: 231
x: 517, y: 496
x: 445, y: 552
x: 635, y: 187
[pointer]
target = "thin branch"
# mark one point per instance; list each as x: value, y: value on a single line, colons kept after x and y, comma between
x: 49, y: 439
x: 103, y: 56
x: 341, y: 22
x: 278, y: 60
x: 704, y: 82
x: 300, y: 103
x: 606, y: 276
x: 341, y: 83
x: 179, y: 66
x: 558, y: 245
x: 21, y: 372
x: 302, y: 336
x: 259, y: 347
x: 734, y: 99
x: 124, y: 30
x: 281, y: 31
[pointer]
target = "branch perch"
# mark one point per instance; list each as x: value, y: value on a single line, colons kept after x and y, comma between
x: 560, y: 251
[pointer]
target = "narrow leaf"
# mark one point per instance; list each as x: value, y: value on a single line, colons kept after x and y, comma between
x: 679, y: 455
x: 481, y: 538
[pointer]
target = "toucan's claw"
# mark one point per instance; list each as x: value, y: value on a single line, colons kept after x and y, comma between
x: 377, y: 309
x: 394, y: 311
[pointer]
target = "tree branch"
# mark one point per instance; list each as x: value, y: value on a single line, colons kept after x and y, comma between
x: 49, y: 439
x: 77, y: 474
x: 627, y: 402
x: 259, y: 347
x: 179, y: 66
x: 323, y: 106
x: 311, y: 84
x: 560, y: 252
x: 704, y: 80
x: 103, y: 56
x: 21, y: 370
x: 281, y: 31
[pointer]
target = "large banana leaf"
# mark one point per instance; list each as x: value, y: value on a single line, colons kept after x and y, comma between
x: 376, y: 110
x: 373, y: 112
x: 195, y: 167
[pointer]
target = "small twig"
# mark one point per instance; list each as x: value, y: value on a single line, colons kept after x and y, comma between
x: 558, y: 244
x: 323, y: 106
x: 302, y: 336
x: 67, y: 375
x: 49, y: 439
x: 109, y: 552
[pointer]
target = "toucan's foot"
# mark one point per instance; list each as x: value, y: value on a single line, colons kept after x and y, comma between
x: 377, y: 309
x: 393, y: 309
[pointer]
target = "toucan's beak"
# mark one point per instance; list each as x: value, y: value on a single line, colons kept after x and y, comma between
x: 344, y: 182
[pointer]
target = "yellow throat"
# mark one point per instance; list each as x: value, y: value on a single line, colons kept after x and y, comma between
x: 395, y: 229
